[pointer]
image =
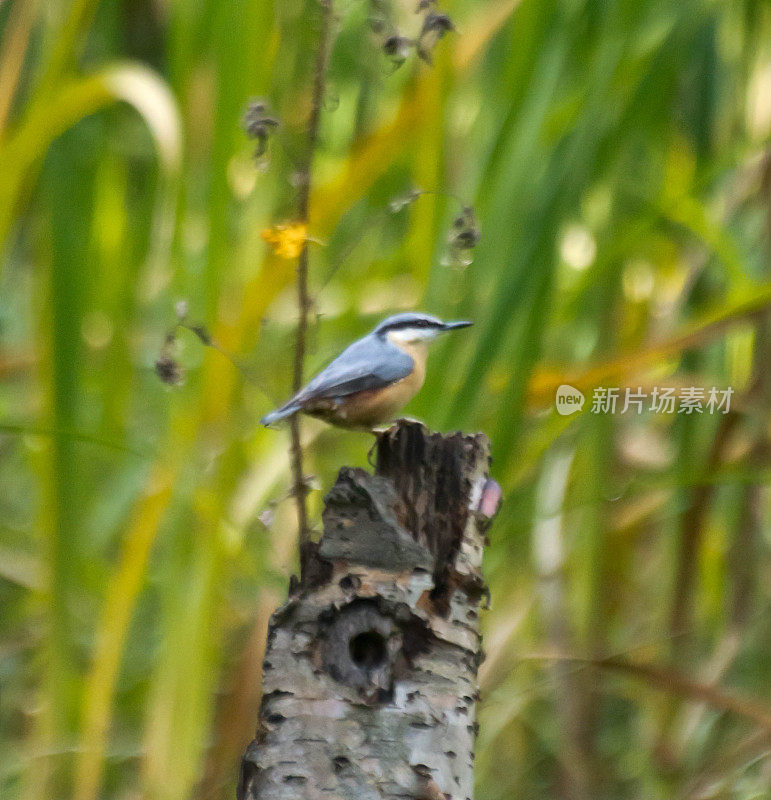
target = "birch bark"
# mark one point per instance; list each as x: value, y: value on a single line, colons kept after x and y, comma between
x: 370, y: 673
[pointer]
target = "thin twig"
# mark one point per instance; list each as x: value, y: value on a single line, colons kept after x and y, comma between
x: 303, y: 208
x: 673, y: 682
x: 670, y: 680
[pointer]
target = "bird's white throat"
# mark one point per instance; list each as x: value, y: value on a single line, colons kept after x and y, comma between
x: 412, y: 335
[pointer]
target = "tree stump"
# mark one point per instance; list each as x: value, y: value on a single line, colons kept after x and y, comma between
x: 370, y: 671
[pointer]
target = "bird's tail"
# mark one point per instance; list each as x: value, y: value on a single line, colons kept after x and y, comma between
x: 289, y: 408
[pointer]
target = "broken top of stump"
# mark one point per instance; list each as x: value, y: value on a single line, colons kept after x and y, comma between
x: 413, y: 512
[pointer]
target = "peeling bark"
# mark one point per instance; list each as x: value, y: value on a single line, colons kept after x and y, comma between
x: 370, y: 673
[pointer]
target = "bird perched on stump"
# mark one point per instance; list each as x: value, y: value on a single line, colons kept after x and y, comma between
x: 373, y: 378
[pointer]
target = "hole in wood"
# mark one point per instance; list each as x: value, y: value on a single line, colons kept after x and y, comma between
x: 350, y: 583
x: 368, y: 650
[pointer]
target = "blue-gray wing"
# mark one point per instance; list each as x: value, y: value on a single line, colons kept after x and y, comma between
x: 370, y: 363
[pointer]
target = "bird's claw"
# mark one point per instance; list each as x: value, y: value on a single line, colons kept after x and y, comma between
x: 413, y: 420
x: 372, y: 449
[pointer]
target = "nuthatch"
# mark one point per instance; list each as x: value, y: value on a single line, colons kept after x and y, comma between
x: 373, y: 378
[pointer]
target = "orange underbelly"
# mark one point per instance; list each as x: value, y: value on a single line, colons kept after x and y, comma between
x: 369, y: 408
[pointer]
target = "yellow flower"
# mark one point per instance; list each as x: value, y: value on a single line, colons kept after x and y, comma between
x: 287, y: 241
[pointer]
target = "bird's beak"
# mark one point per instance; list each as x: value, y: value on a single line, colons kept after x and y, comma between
x: 451, y: 326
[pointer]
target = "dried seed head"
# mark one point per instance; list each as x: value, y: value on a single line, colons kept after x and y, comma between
x: 259, y: 125
x: 399, y: 203
x: 169, y: 370
x: 463, y: 238
x: 256, y: 119
x: 435, y: 26
x: 465, y: 230
x: 441, y: 23
x: 397, y: 48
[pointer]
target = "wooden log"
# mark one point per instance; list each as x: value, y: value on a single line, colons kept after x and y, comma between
x: 370, y: 673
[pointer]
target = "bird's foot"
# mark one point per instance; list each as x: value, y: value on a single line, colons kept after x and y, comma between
x: 408, y: 419
x: 372, y: 449
x: 380, y: 430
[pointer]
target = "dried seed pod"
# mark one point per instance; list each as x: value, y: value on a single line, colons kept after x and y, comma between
x: 259, y: 125
x: 435, y: 26
x: 463, y: 238
x: 169, y: 370
x: 397, y: 48
x: 465, y: 231
x: 399, y: 203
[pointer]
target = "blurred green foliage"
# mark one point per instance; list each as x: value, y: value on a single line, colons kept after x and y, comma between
x: 616, y: 154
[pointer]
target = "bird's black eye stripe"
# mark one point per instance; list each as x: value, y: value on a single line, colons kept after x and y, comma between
x: 407, y: 324
x: 418, y: 323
